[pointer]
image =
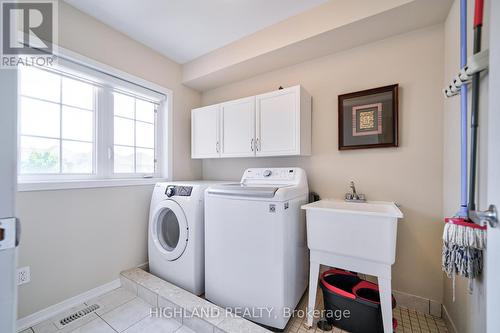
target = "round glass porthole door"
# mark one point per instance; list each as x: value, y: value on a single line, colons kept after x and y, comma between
x: 170, y: 229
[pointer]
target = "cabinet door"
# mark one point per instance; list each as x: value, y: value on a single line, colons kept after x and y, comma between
x: 205, y: 132
x: 278, y: 123
x: 237, y: 125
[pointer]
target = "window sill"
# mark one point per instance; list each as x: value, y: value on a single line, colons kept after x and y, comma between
x: 90, y: 183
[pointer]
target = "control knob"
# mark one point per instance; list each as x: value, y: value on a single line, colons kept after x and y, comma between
x: 170, y: 191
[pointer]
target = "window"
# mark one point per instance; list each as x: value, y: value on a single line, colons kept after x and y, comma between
x: 77, y: 124
x: 134, y: 134
x: 57, y: 124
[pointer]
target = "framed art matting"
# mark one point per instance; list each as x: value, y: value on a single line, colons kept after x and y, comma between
x: 369, y: 118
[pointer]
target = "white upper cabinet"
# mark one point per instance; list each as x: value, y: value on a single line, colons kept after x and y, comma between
x: 272, y: 124
x: 283, y: 123
x: 205, y: 141
x: 237, y: 128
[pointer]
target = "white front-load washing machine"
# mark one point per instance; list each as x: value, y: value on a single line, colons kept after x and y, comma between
x: 176, y: 234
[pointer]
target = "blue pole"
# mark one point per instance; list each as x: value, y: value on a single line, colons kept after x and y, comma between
x: 463, y: 111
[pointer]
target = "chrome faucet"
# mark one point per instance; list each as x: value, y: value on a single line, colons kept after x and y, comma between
x: 354, y: 196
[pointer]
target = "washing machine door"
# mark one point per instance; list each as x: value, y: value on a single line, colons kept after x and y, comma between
x: 169, y: 229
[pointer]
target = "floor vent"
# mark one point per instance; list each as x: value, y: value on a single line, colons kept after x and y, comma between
x: 77, y: 315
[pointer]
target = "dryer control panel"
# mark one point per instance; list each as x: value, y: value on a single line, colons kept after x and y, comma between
x: 182, y: 191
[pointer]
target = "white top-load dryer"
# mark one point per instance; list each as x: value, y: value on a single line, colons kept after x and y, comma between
x: 256, y: 259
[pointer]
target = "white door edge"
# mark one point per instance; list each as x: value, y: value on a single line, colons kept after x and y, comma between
x: 493, y: 241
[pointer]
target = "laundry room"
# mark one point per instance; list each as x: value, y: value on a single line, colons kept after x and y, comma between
x: 249, y: 166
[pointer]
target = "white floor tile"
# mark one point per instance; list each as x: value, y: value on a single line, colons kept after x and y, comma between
x: 147, y: 295
x: 154, y: 325
x: 111, y: 300
x: 184, y: 329
x: 127, y: 314
x: 128, y: 284
x: 198, y: 325
x: 45, y: 327
x: 170, y: 309
x: 95, y: 326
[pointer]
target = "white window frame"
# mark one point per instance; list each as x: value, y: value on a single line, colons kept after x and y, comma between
x: 56, y: 177
x: 109, y: 127
x: 104, y: 176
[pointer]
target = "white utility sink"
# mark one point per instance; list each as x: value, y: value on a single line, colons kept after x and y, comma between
x: 361, y: 230
x: 357, y: 236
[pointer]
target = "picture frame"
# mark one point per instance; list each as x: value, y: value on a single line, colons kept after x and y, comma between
x: 368, y: 118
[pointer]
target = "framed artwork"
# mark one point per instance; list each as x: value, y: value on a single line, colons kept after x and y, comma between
x: 369, y: 118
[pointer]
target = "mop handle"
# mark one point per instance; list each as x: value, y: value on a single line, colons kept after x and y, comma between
x: 478, y: 13
x: 478, y: 21
x: 463, y: 114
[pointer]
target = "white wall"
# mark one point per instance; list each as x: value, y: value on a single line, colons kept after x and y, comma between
x: 75, y: 240
x: 468, y: 311
x: 410, y: 174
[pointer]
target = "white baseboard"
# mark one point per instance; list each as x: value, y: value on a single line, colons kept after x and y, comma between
x: 144, y: 266
x: 449, y: 322
x: 38, y: 317
x: 418, y: 303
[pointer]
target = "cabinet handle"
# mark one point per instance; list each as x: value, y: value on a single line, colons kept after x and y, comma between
x: 257, y: 144
x: 217, y: 149
x: 251, y: 144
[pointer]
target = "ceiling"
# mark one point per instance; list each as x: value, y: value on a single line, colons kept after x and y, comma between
x: 183, y: 30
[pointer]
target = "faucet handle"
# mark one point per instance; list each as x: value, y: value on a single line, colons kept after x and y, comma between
x: 353, y: 188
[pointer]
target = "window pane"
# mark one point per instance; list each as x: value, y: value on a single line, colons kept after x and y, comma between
x: 144, y: 135
x: 124, y: 105
x: 39, y: 155
x: 144, y: 111
x: 77, y: 124
x: 77, y: 93
x: 39, y: 118
x: 124, y: 131
x: 39, y: 83
x: 76, y: 157
x: 145, y: 160
x: 124, y: 159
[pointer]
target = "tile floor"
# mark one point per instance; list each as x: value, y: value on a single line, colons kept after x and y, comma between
x: 197, y: 313
x: 119, y: 311
x: 123, y: 311
x: 409, y: 321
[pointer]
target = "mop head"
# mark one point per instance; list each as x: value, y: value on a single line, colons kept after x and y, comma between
x: 463, y: 245
x: 462, y: 260
x: 465, y: 236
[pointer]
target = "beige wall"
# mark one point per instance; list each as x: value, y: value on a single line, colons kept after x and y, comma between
x: 331, y: 27
x: 410, y: 174
x: 76, y: 240
x: 468, y: 311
